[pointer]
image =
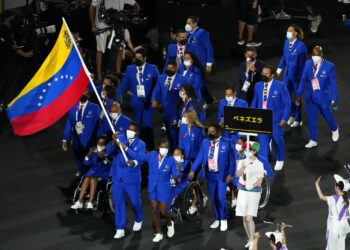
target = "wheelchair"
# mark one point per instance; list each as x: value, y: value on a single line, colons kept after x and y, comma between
x: 182, y: 202
x: 101, y: 201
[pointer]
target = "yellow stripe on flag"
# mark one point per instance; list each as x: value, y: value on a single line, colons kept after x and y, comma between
x: 52, y: 64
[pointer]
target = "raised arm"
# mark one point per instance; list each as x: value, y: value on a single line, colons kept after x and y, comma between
x: 319, y: 191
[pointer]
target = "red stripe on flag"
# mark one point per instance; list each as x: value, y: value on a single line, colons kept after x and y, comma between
x: 43, y: 118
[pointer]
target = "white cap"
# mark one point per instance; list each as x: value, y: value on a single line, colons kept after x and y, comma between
x: 277, y: 234
x: 338, y: 179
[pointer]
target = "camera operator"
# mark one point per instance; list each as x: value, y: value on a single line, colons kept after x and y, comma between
x: 98, y: 24
x: 9, y: 61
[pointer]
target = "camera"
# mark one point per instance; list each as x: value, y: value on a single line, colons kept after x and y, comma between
x: 122, y: 19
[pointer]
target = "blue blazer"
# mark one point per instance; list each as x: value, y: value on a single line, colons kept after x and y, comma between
x: 168, y: 98
x: 108, y: 103
x: 259, y: 65
x: 121, y: 126
x: 158, y: 176
x: 183, y: 170
x: 278, y: 100
x: 120, y: 171
x: 90, y: 121
x: 150, y: 76
x: 226, y: 159
x: 190, y: 142
x: 98, y: 166
x: 99, y: 90
x: 194, y: 106
x: 200, y: 39
x: 293, y: 62
x: 327, y: 80
x: 194, y: 77
x: 224, y: 102
x: 172, y: 53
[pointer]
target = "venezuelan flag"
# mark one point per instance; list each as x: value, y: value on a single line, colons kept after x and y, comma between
x: 54, y: 89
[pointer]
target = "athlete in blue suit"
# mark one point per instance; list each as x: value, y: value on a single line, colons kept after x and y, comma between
x: 218, y: 158
x: 162, y: 168
x: 141, y: 78
x: 82, y: 123
x: 167, y: 91
x: 233, y: 101
x: 321, y: 93
x: 126, y: 178
x: 272, y: 94
x: 119, y: 121
x: 177, y: 51
x: 293, y: 62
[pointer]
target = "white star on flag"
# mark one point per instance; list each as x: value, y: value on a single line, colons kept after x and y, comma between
x: 44, y: 90
x: 39, y: 104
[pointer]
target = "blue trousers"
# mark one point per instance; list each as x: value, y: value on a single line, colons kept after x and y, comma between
x: 295, y: 110
x: 143, y: 117
x: 217, y: 191
x: 119, y: 188
x: 79, y: 155
x: 312, y: 109
x: 277, y: 143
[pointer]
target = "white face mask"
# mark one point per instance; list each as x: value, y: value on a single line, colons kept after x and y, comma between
x: 188, y: 27
x: 229, y: 98
x: 178, y: 159
x: 100, y: 148
x: 316, y: 59
x: 182, y: 95
x: 238, y: 147
x: 114, y: 116
x: 289, y: 35
x: 130, y: 134
x: 184, y: 120
x: 250, y: 154
x: 163, y: 151
x: 187, y: 63
x: 103, y: 95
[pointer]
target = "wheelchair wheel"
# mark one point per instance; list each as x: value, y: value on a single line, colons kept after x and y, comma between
x: 110, y: 196
x: 77, y: 190
x: 265, y: 193
x: 188, y: 198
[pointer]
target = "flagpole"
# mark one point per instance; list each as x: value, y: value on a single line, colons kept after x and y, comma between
x: 94, y: 87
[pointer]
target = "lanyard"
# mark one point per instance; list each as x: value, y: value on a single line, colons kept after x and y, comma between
x: 188, y: 133
x: 79, y: 112
x: 212, y: 149
x: 317, y: 68
x: 140, y: 75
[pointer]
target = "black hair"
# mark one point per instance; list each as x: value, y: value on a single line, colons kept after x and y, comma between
x: 230, y: 87
x: 191, y: 94
x: 103, y: 138
x: 197, y: 63
x: 195, y: 19
x: 110, y: 92
x: 163, y: 140
x: 272, y: 69
x: 109, y: 77
x: 142, y: 51
x: 340, y: 184
x: 180, y: 31
x: 253, y: 49
x: 243, y: 138
x: 6, y: 14
x: 181, y: 150
x: 216, y: 126
x: 298, y: 30
x: 136, y: 125
x: 172, y: 62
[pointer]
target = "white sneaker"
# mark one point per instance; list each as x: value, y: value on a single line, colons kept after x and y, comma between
x: 223, y: 225
x: 290, y: 120
x: 171, y: 230
x: 279, y: 165
x: 335, y: 135
x: 251, y: 244
x: 137, y: 226
x: 77, y: 205
x: 158, y: 237
x: 205, y: 200
x: 119, y: 234
x: 89, y: 205
x: 311, y: 144
x: 234, y: 203
x: 215, y: 224
x: 296, y: 124
x: 192, y: 210
x: 246, y: 244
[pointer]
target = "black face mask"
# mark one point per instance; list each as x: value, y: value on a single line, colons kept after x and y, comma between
x: 183, y: 41
x: 211, y: 137
x: 83, y: 98
x: 138, y: 62
x: 169, y: 73
x: 264, y: 78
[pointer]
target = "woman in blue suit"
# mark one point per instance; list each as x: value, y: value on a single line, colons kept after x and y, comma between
x: 293, y: 63
x: 189, y: 101
x: 162, y: 168
x: 193, y: 69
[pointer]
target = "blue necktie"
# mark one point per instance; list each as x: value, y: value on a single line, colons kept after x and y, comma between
x: 80, y: 112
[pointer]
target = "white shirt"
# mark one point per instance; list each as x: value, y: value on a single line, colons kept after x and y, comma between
x: 253, y: 171
x: 268, y: 88
x: 216, y: 154
x: 137, y: 72
x: 109, y: 4
x: 82, y: 107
